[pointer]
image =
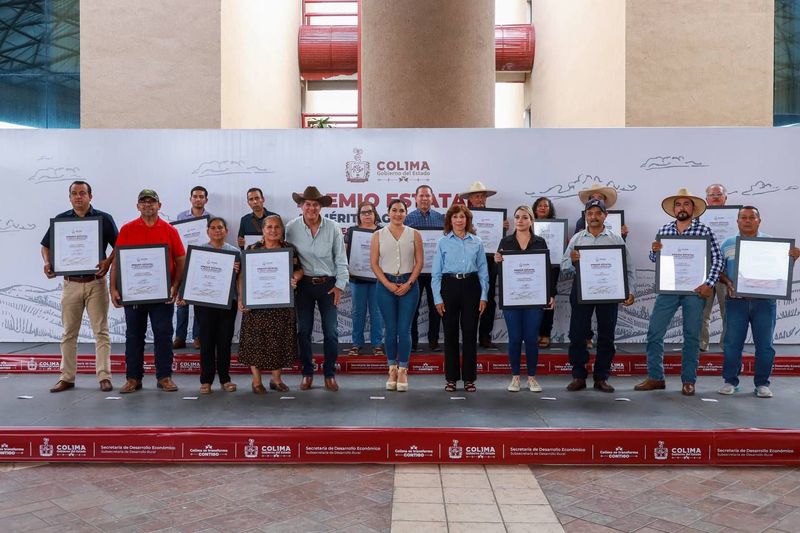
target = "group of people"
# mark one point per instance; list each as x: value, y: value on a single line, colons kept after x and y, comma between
x: 460, y: 293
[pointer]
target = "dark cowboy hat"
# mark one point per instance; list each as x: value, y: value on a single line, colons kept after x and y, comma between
x: 312, y: 193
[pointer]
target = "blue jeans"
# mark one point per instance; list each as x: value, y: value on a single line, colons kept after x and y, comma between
x: 136, y: 329
x: 663, y: 311
x: 182, y: 323
x: 523, y: 326
x: 398, y: 312
x: 364, y: 296
x: 760, y: 314
x: 309, y: 295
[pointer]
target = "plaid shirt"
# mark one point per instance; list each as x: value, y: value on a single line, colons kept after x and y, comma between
x: 431, y: 220
x: 697, y: 229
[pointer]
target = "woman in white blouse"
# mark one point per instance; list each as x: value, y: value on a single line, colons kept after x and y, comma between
x: 396, y: 257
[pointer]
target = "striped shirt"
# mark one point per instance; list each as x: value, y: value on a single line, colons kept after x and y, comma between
x: 696, y: 229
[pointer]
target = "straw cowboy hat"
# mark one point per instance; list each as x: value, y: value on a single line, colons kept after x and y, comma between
x: 669, y: 203
x: 312, y: 193
x: 477, y: 186
x: 610, y: 194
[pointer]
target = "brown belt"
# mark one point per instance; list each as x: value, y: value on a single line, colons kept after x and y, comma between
x: 81, y: 279
x: 317, y: 280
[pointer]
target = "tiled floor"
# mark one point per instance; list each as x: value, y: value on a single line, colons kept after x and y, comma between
x: 459, y: 498
x: 648, y: 500
x: 418, y: 498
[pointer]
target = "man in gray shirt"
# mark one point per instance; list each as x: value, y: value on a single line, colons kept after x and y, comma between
x: 320, y: 245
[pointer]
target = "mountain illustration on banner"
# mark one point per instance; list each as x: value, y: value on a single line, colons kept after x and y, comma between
x: 670, y: 161
x: 224, y: 168
x: 571, y: 188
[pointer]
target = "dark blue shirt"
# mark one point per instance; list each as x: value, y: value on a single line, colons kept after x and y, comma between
x: 110, y: 231
x: 251, y: 224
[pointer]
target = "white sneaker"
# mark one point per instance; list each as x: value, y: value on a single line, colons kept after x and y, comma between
x: 762, y: 391
x: 728, y: 389
x: 514, y: 385
x: 533, y: 385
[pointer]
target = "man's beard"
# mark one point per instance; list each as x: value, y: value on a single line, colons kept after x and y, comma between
x: 683, y: 215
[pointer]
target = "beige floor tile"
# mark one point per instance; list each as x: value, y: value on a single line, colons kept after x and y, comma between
x: 416, y: 469
x: 417, y: 480
x: 533, y: 528
x: 476, y: 527
x: 419, y: 527
x: 466, y: 469
x: 477, y: 481
x: 515, y: 480
x: 419, y: 495
x: 473, y: 512
x: 508, y: 469
x: 418, y: 512
x: 520, y: 496
x: 528, y: 513
x: 469, y: 495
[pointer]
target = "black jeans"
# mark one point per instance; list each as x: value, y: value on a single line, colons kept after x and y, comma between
x: 433, y: 317
x: 216, y: 334
x: 487, y: 318
x: 579, y: 323
x: 461, y: 299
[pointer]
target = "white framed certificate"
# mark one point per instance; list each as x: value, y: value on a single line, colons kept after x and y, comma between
x: 602, y: 274
x: 763, y: 268
x: 430, y: 238
x: 722, y: 219
x: 267, y: 278
x: 143, y: 273
x: 358, y: 258
x: 488, y: 224
x: 209, y: 277
x: 252, y: 239
x: 76, y: 245
x: 193, y: 231
x: 682, y: 264
x: 615, y: 219
x: 554, y: 232
x: 524, y: 279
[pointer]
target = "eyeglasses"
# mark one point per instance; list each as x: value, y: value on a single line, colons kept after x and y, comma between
x: 366, y: 213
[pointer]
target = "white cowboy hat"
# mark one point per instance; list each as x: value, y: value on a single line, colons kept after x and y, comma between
x: 477, y: 186
x: 668, y: 203
x: 609, y: 193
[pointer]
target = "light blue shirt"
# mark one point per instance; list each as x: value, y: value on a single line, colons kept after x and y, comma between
x: 459, y: 256
x: 185, y: 215
x: 225, y: 246
x: 606, y: 237
x: 322, y: 254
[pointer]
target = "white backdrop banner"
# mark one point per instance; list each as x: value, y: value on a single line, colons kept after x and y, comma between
x: 758, y: 166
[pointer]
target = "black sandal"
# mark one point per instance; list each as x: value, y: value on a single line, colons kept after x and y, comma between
x: 469, y: 386
x: 450, y: 386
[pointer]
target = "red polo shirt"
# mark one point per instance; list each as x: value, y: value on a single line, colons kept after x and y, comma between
x: 136, y: 232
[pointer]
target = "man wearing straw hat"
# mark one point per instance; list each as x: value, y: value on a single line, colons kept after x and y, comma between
x: 686, y: 209
x: 607, y: 195
x: 475, y: 198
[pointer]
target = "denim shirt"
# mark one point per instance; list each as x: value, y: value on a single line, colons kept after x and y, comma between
x: 459, y: 256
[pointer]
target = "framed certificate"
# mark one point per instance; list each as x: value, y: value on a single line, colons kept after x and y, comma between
x: 524, y: 279
x: 722, y: 220
x: 193, y: 231
x: 430, y: 238
x: 252, y: 239
x: 266, y: 278
x: 615, y: 219
x: 602, y: 274
x: 763, y: 268
x: 143, y: 273
x: 488, y: 225
x: 208, y: 277
x: 682, y: 264
x: 358, y: 259
x: 76, y: 245
x: 554, y: 232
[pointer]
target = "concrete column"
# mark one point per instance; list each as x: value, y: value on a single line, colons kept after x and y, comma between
x: 427, y: 64
x: 693, y: 63
x: 150, y: 63
x: 260, y: 72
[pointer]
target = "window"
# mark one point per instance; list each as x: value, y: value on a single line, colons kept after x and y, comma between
x: 786, y: 106
x: 40, y: 63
